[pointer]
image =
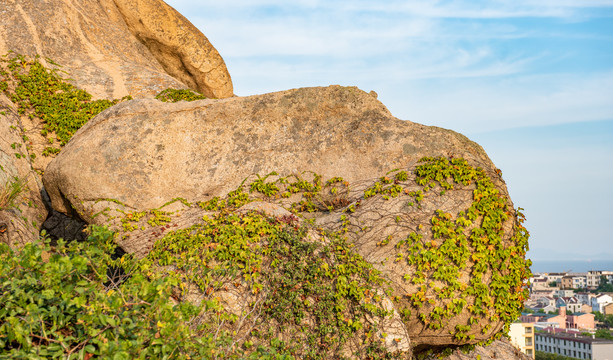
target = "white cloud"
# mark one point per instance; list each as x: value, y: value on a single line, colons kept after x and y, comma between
x: 426, y: 67
x: 416, y: 8
x: 478, y: 105
x: 454, y: 64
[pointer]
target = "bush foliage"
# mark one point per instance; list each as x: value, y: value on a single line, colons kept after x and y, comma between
x: 40, y: 92
x: 59, y: 302
x: 56, y: 305
x: 176, y: 95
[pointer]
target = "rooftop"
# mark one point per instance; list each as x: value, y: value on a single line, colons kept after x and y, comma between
x: 580, y: 314
x: 576, y: 336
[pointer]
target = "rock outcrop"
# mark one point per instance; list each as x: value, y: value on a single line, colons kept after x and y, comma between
x: 115, y: 48
x: 312, y: 217
x: 178, y: 45
x: 22, y: 210
x: 202, y: 149
x: 498, y: 350
x: 425, y: 205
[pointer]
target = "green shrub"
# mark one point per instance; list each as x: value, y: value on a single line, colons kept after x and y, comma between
x: 10, y: 192
x: 176, y: 95
x: 56, y: 305
x: 42, y: 93
x: 604, y: 334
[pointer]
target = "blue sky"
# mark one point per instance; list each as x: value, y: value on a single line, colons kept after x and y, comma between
x: 529, y: 80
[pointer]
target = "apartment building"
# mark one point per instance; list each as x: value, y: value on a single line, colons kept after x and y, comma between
x: 600, y: 301
x: 574, y: 282
x: 574, y: 345
x: 585, y: 298
x: 593, y: 278
x: 608, y: 309
x: 555, y: 277
x: 522, y: 336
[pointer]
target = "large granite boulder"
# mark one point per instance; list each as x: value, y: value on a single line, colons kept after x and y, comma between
x: 178, y: 45
x: 22, y: 210
x: 498, y: 350
x: 115, y: 48
x: 144, y: 152
x: 424, y: 205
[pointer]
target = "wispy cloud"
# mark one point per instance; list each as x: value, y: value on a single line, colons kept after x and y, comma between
x: 479, y: 105
x: 478, y: 67
x: 502, y: 63
x: 416, y: 8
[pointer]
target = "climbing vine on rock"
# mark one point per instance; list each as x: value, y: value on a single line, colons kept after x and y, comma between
x: 176, y: 95
x: 307, y: 293
x: 42, y: 93
x: 472, y: 240
x: 464, y: 270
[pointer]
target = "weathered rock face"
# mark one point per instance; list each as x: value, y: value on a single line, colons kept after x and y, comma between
x: 22, y: 211
x: 498, y: 350
x: 178, y: 45
x: 197, y: 150
x: 112, y: 51
x: 422, y: 205
x: 442, y: 231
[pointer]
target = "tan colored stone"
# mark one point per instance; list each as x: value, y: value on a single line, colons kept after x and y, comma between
x: 179, y: 46
x: 498, y: 350
x: 21, y: 222
x: 145, y: 152
x: 95, y: 46
x: 140, y: 154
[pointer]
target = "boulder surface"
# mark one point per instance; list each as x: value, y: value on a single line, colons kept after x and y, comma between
x: 115, y: 48
x: 424, y: 205
x: 499, y: 349
x: 22, y: 210
x: 144, y: 153
x: 183, y: 51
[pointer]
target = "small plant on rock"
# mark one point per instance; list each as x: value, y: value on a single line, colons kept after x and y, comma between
x: 176, y: 95
x: 10, y: 192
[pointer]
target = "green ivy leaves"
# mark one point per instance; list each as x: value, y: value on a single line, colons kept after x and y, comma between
x: 42, y: 93
x: 176, y: 95
x: 56, y: 305
x: 321, y: 291
x: 472, y: 238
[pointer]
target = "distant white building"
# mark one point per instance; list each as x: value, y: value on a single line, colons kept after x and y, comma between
x: 572, y: 304
x: 600, y: 301
x: 537, y: 294
x: 539, y: 284
x: 565, y: 293
x: 585, y: 298
x: 593, y: 278
x: 574, y: 345
x: 522, y: 336
x: 555, y: 277
x: 579, y: 282
x: 546, y: 301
